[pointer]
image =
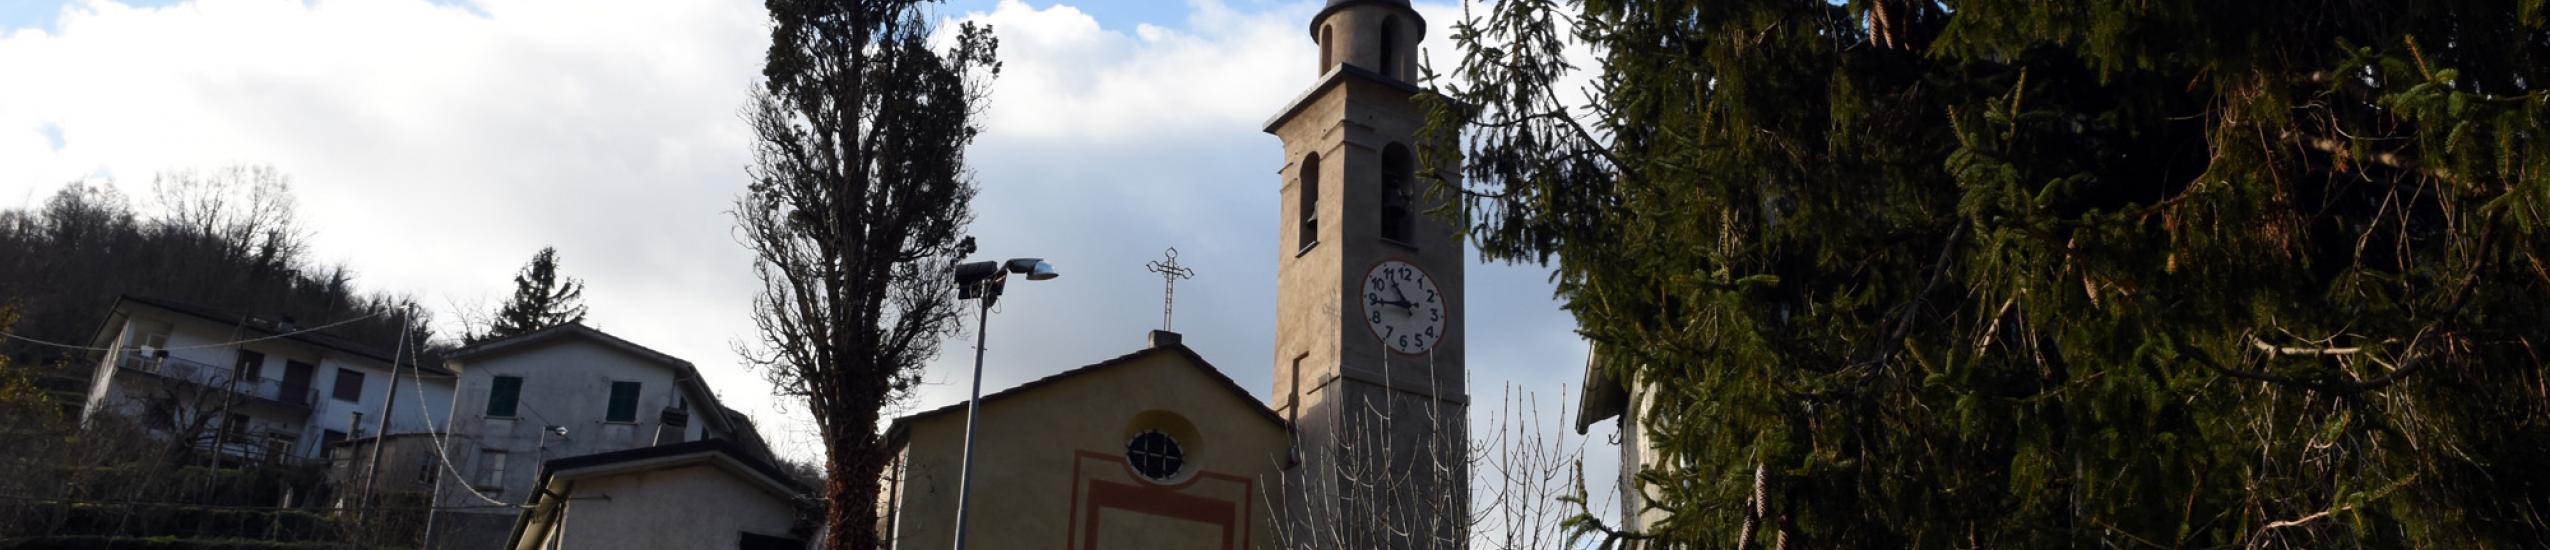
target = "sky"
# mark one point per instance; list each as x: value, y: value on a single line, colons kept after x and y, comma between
x: 435, y: 145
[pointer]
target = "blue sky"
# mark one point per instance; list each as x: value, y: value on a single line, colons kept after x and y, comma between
x: 435, y: 146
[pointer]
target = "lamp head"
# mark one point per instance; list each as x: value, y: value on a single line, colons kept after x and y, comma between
x: 970, y: 277
x: 1036, y: 269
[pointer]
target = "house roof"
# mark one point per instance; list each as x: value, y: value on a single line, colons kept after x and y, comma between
x: 689, y: 374
x: 1604, y: 397
x: 261, y: 329
x: 525, y: 341
x: 896, y: 430
x: 756, y: 468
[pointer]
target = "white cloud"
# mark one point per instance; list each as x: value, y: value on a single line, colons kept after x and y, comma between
x: 1067, y: 78
x: 433, y: 147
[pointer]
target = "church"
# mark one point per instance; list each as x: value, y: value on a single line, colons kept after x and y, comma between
x: 1363, y: 443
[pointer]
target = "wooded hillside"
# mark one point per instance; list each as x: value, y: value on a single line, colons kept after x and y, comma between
x: 226, y: 239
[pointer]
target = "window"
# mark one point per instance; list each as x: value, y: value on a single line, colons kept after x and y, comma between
x: 328, y: 440
x: 1390, y: 46
x: 1155, y: 455
x: 1293, y: 406
x: 349, y: 385
x: 1310, y: 201
x: 159, y: 413
x: 624, y: 398
x: 251, y: 366
x: 1326, y: 53
x: 236, y: 425
x: 153, y: 336
x: 504, y: 396
x: 296, y: 383
x: 491, y: 468
x: 1395, y: 167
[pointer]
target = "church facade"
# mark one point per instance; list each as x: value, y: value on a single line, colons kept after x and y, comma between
x: 1362, y: 442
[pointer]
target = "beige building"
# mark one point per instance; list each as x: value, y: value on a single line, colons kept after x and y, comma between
x: 1154, y: 449
x: 1362, y: 447
x: 1368, y: 331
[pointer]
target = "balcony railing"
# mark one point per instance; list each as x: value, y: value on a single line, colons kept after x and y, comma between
x: 266, y: 448
x: 192, y: 372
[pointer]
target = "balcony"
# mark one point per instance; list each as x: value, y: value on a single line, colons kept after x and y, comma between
x: 211, y: 376
x: 255, y: 448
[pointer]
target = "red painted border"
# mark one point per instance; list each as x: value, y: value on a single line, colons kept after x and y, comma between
x: 1162, y: 500
x: 1156, y: 501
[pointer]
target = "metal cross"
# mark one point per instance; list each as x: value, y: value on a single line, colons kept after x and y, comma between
x: 1169, y: 275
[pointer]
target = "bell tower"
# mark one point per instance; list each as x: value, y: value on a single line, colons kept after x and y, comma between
x: 1368, y: 332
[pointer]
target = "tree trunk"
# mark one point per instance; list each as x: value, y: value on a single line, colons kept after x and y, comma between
x: 850, y: 493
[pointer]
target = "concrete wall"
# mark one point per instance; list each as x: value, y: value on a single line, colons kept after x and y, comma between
x: 408, y: 465
x: 1050, y: 470
x: 566, y: 382
x: 694, y: 506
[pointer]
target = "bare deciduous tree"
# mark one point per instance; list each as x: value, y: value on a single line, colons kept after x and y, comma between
x: 1516, y: 486
x: 249, y: 210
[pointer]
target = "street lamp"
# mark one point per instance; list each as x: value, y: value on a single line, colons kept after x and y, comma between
x: 982, y: 282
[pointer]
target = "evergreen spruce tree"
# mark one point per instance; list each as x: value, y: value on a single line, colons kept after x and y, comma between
x: 2019, y: 274
x: 541, y: 299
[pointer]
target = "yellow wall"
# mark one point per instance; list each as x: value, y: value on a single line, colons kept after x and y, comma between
x: 1050, y: 469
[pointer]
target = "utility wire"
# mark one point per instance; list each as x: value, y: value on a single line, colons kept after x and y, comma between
x: 15, y: 336
x: 150, y: 504
x: 441, y: 442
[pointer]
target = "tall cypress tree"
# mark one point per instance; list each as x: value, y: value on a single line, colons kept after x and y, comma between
x: 856, y: 214
x: 541, y: 299
x: 2015, y: 273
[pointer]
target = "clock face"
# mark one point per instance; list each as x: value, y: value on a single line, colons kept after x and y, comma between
x: 1404, y: 308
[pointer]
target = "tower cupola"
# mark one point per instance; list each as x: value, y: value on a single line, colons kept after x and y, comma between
x: 1375, y: 35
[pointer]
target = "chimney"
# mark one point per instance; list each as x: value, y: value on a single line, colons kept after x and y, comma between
x: 670, y: 426
x: 1162, y: 339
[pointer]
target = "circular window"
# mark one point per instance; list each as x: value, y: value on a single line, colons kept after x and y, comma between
x: 1155, y: 455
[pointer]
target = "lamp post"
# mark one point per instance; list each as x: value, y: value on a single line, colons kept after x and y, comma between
x: 982, y: 281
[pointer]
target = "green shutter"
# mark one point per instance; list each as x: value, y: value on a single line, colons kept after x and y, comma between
x: 624, y: 397
x: 502, y: 398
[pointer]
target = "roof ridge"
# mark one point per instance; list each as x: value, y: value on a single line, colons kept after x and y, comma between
x: 1195, y: 359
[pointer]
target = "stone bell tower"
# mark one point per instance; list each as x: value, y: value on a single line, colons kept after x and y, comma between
x: 1368, y: 331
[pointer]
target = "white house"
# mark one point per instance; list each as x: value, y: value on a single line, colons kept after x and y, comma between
x: 1608, y: 398
x: 254, y: 387
x: 702, y: 494
x: 564, y: 391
